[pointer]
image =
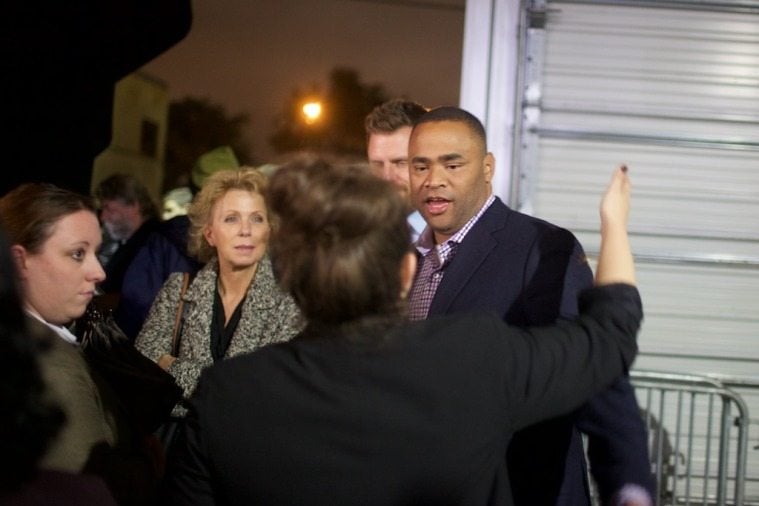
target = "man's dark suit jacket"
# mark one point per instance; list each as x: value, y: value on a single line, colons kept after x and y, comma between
x: 391, y: 414
x: 530, y: 272
x: 162, y: 253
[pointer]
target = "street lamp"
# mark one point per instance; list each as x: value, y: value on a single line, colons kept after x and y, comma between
x: 312, y: 111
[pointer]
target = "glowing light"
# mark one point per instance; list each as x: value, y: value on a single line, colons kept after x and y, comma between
x: 312, y: 111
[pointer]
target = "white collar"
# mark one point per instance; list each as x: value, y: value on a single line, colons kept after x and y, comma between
x: 60, y: 331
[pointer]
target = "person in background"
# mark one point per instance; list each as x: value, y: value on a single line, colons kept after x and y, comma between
x: 176, y: 202
x: 129, y: 216
x: 54, y: 236
x: 476, y: 254
x: 233, y: 305
x: 165, y: 250
x: 388, y: 128
x: 364, y: 407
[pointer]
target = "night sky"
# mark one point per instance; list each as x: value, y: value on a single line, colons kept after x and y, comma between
x: 249, y: 55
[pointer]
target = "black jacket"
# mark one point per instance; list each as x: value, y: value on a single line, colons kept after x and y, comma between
x: 421, y: 414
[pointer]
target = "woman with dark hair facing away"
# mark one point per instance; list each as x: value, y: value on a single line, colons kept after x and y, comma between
x: 364, y: 407
x: 54, y: 236
x: 29, y: 421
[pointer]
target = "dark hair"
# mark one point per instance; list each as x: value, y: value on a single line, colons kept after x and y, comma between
x: 391, y: 115
x: 129, y: 190
x: 341, y: 239
x: 457, y: 115
x: 29, y: 212
x: 27, y: 422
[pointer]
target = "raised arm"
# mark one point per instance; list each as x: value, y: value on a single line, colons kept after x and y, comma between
x: 615, y: 261
x: 600, y: 345
x: 616, y: 435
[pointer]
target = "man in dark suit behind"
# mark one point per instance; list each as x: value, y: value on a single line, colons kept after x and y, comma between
x: 477, y: 254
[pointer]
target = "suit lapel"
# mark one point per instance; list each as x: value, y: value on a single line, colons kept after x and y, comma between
x: 471, y: 253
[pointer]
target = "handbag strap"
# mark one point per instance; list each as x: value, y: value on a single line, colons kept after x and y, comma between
x: 179, y: 318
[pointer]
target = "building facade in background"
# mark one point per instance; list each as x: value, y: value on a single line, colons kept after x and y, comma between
x: 138, y: 143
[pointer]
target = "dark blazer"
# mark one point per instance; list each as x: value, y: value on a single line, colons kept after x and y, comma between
x: 417, y: 413
x: 163, y: 253
x: 117, y: 266
x: 529, y: 272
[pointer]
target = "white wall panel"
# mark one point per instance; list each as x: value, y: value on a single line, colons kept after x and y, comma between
x: 679, y: 191
x: 674, y: 94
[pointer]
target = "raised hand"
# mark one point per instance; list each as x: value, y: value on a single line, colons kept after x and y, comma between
x: 615, y: 204
x: 615, y: 262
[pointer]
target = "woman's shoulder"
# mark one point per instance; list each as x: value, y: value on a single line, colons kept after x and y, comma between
x: 198, y: 282
x: 54, y: 351
x: 173, y: 282
x: 65, y: 370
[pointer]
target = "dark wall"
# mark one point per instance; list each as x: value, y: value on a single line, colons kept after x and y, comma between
x: 62, y: 60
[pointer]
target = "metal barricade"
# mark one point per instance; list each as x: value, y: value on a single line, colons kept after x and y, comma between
x: 698, y: 438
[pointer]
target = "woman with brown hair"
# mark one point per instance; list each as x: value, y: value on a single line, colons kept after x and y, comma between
x: 364, y: 407
x: 233, y: 305
x: 54, y: 236
x: 29, y: 420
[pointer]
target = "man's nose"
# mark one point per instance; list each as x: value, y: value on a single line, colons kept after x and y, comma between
x: 387, y: 172
x: 435, y: 177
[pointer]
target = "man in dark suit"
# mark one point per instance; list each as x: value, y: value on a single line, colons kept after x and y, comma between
x: 477, y: 254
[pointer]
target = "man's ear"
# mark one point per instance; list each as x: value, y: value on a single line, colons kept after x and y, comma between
x: 18, y: 253
x: 489, y: 167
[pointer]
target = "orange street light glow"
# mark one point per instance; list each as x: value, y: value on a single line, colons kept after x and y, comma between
x: 312, y: 111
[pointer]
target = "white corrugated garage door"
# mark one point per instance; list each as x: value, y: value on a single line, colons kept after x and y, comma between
x: 675, y: 95
x: 672, y: 90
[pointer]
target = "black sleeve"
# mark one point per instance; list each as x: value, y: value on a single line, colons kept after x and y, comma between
x: 553, y: 370
x: 188, y: 475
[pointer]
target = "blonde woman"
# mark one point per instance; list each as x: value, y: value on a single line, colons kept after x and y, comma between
x: 233, y: 305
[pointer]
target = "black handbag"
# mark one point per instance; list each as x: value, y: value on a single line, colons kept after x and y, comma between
x: 146, y: 392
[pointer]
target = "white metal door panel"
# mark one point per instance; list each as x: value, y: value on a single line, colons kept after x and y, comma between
x: 674, y: 94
